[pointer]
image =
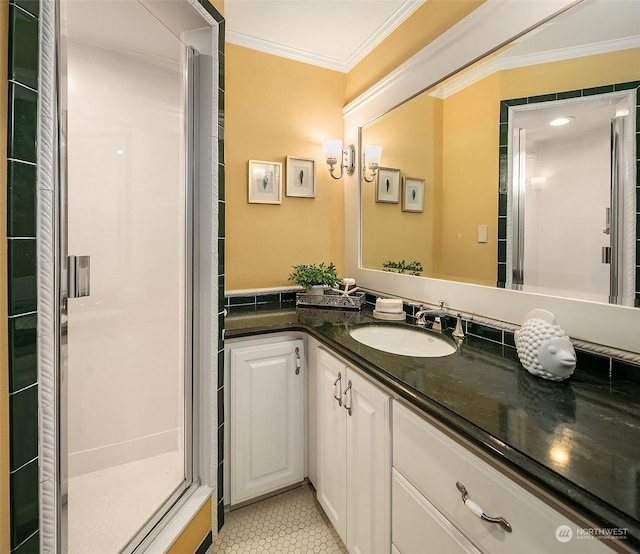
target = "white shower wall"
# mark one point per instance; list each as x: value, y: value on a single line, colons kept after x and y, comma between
x: 126, y: 210
x: 565, y: 215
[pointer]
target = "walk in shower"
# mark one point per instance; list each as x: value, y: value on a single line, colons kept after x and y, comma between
x: 571, y: 201
x: 135, y: 179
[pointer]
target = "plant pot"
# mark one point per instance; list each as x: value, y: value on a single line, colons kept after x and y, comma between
x: 317, y: 290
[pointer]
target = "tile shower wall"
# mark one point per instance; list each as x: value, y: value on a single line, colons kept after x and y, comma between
x: 502, y: 187
x: 221, y: 251
x: 23, y: 54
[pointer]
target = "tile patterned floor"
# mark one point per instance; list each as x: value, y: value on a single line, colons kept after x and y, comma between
x: 289, y: 523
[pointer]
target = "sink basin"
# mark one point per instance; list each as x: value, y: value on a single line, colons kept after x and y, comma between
x: 405, y: 341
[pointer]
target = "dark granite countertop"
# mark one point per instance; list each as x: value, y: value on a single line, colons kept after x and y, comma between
x: 579, y: 439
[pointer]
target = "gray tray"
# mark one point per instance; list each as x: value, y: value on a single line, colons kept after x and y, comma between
x: 331, y: 299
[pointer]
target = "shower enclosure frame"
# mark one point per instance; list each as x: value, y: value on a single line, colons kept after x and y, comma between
x: 623, y: 185
x: 200, y: 447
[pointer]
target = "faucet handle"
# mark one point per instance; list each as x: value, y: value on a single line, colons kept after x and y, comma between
x: 458, y: 332
x: 442, y: 308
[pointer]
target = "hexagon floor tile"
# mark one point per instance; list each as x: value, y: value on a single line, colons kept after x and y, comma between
x: 289, y: 523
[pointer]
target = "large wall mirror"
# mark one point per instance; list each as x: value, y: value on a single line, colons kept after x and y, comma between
x: 478, y: 187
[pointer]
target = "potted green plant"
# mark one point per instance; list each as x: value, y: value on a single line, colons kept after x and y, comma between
x: 412, y: 268
x: 314, y: 277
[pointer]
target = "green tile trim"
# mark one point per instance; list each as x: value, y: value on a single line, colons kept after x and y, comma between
x: 213, y: 12
x: 32, y: 6
x: 23, y: 291
x: 23, y: 352
x: 23, y: 121
x: 23, y: 500
x: 21, y: 199
x: 30, y: 546
x: 23, y: 435
x: 23, y: 47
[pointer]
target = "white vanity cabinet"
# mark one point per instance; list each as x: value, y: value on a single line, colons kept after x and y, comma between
x: 353, y: 455
x: 267, y: 416
x: 428, y: 464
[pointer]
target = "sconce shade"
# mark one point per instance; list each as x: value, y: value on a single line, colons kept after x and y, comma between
x: 372, y: 155
x: 332, y: 148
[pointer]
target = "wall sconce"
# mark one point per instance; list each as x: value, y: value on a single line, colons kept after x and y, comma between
x: 371, y: 161
x: 332, y: 149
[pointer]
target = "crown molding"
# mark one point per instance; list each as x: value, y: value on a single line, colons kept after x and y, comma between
x: 560, y: 54
x: 278, y: 49
x: 342, y: 65
x: 383, y: 31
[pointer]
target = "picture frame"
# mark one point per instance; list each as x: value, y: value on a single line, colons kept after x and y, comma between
x: 413, y: 195
x: 301, y: 177
x: 265, y: 182
x: 388, y: 185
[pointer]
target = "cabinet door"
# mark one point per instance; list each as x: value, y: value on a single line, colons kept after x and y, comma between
x: 368, y: 467
x: 267, y: 418
x: 332, y: 479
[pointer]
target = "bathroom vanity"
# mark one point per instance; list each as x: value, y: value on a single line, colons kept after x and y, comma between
x: 395, y: 443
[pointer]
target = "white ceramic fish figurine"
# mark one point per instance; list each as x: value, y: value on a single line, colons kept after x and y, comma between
x: 544, y: 348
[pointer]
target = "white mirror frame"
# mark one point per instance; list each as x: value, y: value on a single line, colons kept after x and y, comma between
x: 493, y: 24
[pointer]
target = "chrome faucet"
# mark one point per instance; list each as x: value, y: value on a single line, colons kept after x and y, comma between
x: 440, y: 313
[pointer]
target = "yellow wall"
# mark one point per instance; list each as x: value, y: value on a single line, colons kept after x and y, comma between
x: 580, y: 73
x: 218, y: 5
x: 470, y: 182
x: 4, y: 369
x: 277, y: 107
x: 195, y: 532
x: 412, y: 143
x: 427, y: 23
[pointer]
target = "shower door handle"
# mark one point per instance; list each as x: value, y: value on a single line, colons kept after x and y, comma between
x: 606, y: 254
x: 78, y: 276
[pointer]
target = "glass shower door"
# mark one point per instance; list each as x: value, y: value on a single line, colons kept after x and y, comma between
x: 127, y: 345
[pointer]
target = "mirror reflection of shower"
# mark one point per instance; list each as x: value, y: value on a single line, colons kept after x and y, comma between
x: 571, y: 197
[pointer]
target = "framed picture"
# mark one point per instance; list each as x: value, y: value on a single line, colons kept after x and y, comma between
x: 301, y: 177
x: 388, y: 185
x: 413, y: 195
x: 265, y: 182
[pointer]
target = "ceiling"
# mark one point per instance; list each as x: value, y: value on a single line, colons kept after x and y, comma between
x: 335, y: 34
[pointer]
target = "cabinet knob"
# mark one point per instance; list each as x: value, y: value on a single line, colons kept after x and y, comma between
x: 479, y: 512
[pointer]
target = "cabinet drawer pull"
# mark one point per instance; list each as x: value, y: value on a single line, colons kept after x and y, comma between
x: 478, y: 511
x: 338, y: 396
x: 348, y: 389
x: 298, y: 361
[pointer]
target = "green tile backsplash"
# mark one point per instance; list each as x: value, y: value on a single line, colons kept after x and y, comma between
x: 21, y: 199
x: 30, y: 546
x: 31, y: 6
x: 24, y: 503
x: 22, y: 63
x: 23, y: 291
x: 23, y: 119
x: 23, y: 414
x: 23, y: 354
x: 23, y: 47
